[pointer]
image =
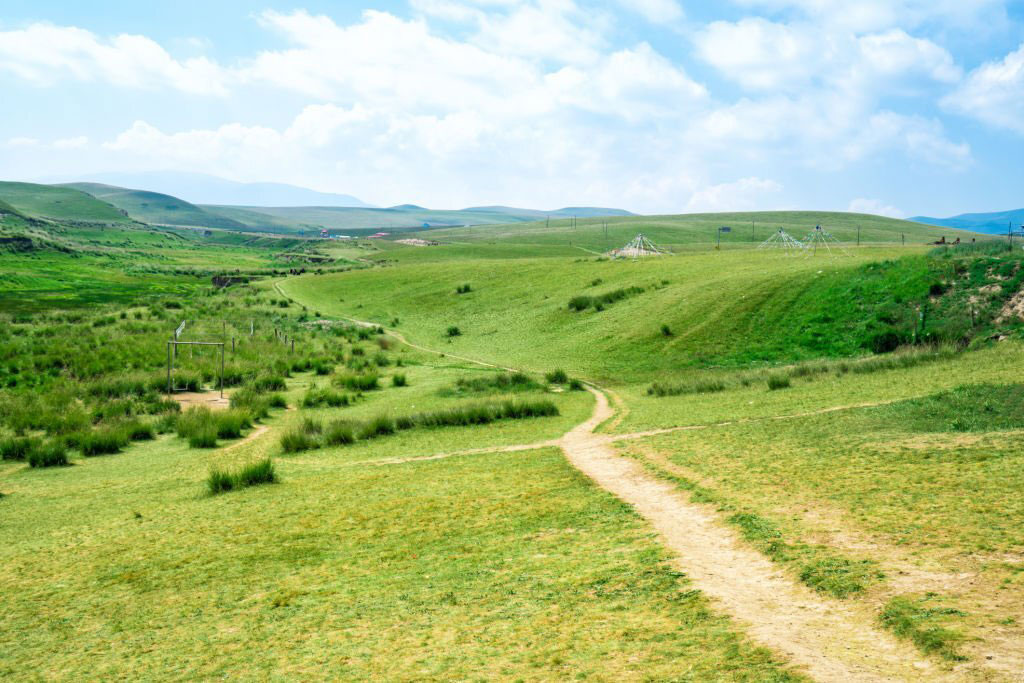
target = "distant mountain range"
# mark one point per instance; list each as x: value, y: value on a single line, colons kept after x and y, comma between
x: 994, y: 223
x: 339, y: 214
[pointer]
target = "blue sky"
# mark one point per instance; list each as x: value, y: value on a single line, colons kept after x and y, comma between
x: 900, y: 107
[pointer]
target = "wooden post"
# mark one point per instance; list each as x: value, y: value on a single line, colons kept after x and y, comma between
x: 222, y: 370
x: 858, y: 235
x: 293, y: 345
x: 903, y: 237
x: 232, y: 346
x: 168, y: 368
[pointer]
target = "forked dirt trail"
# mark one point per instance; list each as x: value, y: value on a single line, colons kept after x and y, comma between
x: 832, y: 641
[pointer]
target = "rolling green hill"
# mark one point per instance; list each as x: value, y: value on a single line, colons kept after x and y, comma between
x: 402, y: 218
x: 156, y: 208
x: 59, y: 203
x: 679, y: 231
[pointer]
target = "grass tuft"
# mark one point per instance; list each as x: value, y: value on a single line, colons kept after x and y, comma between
x: 254, y: 474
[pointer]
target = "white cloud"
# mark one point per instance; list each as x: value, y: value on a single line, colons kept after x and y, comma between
x: 742, y: 195
x: 993, y: 93
x: 761, y: 54
x: 764, y: 55
x: 534, y: 101
x: 655, y: 11
x: 874, y: 207
x: 43, y: 54
x: 22, y: 142
x: 917, y: 136
x: 71, y: 143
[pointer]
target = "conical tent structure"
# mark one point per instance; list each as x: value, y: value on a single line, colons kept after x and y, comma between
x: 820, y: 237
x: 638, y: 247
x: 783, y: 240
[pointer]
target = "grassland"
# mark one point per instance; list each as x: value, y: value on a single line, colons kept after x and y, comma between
x: 156, y: 208
x: 59, y: 203
x: 854, y: 418
x: 696, y: 231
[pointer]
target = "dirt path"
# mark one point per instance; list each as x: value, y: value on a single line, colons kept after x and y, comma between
x: 829, y: 639
x: 832, y: 640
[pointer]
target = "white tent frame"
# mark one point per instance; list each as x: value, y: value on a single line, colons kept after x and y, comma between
x: 783, y: 240
x: 822, y: 237
x: 638, y: 247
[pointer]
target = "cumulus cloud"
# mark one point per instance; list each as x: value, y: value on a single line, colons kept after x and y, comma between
x: 765, y: 55
x: 43, y: 54
x: 993, y: 93
x: 874, y: 207
x: 71, y: 143
x: 741, y: 195
x: 531, y: 101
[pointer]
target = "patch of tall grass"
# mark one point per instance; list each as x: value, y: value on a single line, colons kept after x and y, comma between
x: 357, y: 381
x: 52, y: 454
x: 254, y: 474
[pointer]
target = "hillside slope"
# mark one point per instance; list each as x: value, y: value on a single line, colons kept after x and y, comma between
x: 156, y: 208
x: 404, y: 217
x: 662, y: 315
x: 59, y: 203
x: 680, y: 231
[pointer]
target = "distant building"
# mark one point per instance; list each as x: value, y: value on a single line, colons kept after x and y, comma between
x: 324, y: 233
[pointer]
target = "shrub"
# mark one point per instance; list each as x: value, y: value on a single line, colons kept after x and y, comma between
x: 339, y: 433
x: 576, y: 385
x: 776, y: 382
x: 316, y: 396
x: 254, y: 474
x: 661, y: 389
x: 358, y: 381
x: 463, y: 289
x: 381, y: 360
x: 18, y: 448
x: 199, y: 427
x: 269, y: 383
x: 398, y: 380
x: 580, y: 303
x: 205, y: 436
x: 557, y: 377
x: 220, y: 481
x: 296, y: 440
x: 454, y: 331
x: 52, y: 454
x: 508, y: 381
x: 261, y: 472
x: 136, y: 430
x: 666, y: 330
x: 102, y: 441
x: 381, y: 425
x: 311, y: 426
x: 230, y: 423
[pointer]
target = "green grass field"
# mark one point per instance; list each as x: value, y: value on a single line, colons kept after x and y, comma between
x: 854, y: 419
x: 155, y: 208
x: 59, y: 203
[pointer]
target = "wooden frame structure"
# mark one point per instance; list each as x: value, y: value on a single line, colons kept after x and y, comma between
x: 172, y: 354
